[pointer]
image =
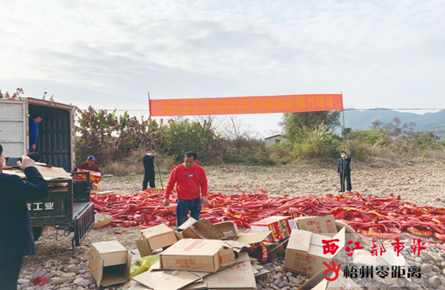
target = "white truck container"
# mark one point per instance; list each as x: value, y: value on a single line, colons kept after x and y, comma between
x: 55, y: 142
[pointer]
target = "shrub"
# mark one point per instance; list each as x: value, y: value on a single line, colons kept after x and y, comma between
x: 281, y: 153
x: 182, y: 136
x: 316, y: 143
x: 372, y: 136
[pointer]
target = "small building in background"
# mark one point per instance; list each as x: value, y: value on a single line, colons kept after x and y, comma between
x: 274, y: 139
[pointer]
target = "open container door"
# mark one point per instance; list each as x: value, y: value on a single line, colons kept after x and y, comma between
x: 14, y: 127
x: 55, y: 141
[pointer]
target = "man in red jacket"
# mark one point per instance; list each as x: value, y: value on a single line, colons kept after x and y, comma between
x: 189, y: 177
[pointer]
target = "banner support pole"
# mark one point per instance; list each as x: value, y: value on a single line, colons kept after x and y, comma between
x: 343, y: 127
x: 343, y: 185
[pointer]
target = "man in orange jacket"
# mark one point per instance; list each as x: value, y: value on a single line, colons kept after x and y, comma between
x: 189, y: 177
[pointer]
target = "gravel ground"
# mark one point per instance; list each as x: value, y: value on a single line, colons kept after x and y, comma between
x: 422, y: 181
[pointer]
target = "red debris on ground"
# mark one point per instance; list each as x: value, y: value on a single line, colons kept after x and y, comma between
x: 40, y: 280
x: 386, y: 217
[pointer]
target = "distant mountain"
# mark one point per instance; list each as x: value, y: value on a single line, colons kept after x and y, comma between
x: 362, y: 120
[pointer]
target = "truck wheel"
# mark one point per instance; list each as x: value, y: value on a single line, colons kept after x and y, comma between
x: 37, y: 231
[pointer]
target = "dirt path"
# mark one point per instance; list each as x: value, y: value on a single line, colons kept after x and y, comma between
x: 419, y: 180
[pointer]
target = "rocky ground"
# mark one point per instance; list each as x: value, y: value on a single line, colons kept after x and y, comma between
x: 421, y: 181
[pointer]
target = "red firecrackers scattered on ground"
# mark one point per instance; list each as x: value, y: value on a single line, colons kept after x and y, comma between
x: 385, y: 217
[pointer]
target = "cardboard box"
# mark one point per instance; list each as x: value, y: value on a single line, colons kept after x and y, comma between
x: 48, y: 173
x: 229, y: 229
x: 166, y: 279
x: 351, y: 234
x: 318, y: 282
x: 154, y: 238
x: 199, y: 285
x: 244, y: 241
x: 239, y: 276
x: 188, y: 223
x: 201, y: 229
x: 94, y: 176
x: 281, y: 227
x: 328, y: 226
x: 109, y: 263
x: 276, y: 250
x: 304, y: 253
x: 322, y: 225
x: 197, y: 255
x: 179, y: 235
x: 133, y: 285
x: 253, y: 238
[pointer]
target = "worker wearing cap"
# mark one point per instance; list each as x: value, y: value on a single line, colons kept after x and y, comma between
x: 189, y: 178
x: 89, y: 164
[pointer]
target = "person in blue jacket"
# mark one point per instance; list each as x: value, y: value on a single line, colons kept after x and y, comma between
x: 16, y: 238
x: 344, y: 171
x: 36, y: 118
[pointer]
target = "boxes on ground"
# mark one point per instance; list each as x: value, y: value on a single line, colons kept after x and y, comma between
x: 197, y: 255
x: 154, y: 238
x: 281, y: 227
x: 305, y: 253
x: 109, y: 263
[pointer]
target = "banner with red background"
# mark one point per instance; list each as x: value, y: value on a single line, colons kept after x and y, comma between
x: 246, y: 105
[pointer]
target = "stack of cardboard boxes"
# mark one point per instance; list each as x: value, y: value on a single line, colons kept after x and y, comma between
x: 206, y: 256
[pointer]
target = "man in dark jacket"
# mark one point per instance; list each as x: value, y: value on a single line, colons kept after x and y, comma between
x: 149, y: 169
x: 16, y: 238
x: 344, y: 162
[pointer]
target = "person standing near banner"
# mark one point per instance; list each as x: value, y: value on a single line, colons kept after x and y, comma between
x: 149, y: 169
x: 16, y: 239
x: 189, y: 178
x: 344, y: 171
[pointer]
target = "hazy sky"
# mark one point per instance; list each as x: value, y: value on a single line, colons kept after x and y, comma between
x: 110, y: 54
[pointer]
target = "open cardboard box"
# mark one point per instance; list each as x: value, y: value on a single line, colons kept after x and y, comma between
x: 197, y: 255
x: 253, y: 238
x: 327, y: 226
x: 154, y: 238
x: 322, y: 225
x: 163, y: 280
x: 202, y: 229
x: 109, y: 263
x: 276, y: 250
x: 245, y: 240
x: 281, y: 227
x: 229, y: 229
x: 304, y: 253
x: 239, y: 276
